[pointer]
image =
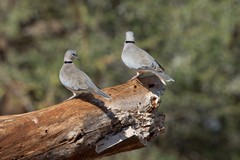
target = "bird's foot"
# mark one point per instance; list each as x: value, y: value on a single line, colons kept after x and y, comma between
x: 70, y: 98
x: 134, y: 77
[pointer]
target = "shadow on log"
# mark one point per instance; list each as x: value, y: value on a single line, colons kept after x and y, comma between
x: 87, y: 128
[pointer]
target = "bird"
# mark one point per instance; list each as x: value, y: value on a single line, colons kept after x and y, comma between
x: 76, y: 80
x: 139, y: 60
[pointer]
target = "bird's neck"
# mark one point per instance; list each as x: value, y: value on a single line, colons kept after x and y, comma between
x: 129, y: 42
x: 128, y: 45
x: 67, y: 62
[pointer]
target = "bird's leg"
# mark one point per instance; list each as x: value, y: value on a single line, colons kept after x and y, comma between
x: 74, y: 95
x: 135, y: 76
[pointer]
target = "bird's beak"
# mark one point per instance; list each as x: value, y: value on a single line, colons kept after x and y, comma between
x: 76, y: 57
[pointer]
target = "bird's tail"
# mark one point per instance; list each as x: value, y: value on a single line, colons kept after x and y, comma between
x: 163, y: 77
x: 102, y: 94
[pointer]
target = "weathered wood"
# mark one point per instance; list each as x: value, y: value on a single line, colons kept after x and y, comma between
x: 86, y: 128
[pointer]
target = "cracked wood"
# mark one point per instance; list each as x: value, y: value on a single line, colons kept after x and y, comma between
x: 85, y: 128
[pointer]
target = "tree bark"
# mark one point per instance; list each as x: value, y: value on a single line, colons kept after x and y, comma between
x: 88, y: 127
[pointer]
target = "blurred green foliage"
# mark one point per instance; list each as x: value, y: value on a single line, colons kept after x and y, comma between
x: 197, y: 42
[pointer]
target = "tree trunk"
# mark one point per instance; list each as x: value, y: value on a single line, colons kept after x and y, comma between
x: 86, y: 128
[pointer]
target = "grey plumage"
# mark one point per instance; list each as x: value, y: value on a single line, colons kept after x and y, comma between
x: 76, y: 80
x: 139, y: 60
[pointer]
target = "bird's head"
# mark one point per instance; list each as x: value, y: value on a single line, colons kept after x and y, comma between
x: 70, y: 55
x: 129, y: 36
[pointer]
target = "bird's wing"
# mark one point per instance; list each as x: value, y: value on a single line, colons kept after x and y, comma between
x: 146, y: 62
x: 75, y: 79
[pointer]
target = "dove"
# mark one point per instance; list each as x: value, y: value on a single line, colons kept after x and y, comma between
x: 76, y: 80
x: 137, y: 59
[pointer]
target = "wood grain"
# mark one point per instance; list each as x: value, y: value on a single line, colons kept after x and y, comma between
x: 86, y: 127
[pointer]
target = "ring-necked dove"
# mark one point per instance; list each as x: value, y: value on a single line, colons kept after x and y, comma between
x: 76, y: 80
x: 139, y: 60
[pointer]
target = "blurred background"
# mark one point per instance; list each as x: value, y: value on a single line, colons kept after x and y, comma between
x: 198, y: 43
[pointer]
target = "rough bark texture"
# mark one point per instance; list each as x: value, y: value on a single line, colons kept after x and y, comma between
x: 86, y: 128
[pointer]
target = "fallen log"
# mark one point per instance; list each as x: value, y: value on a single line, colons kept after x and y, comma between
x: 88, y: 127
